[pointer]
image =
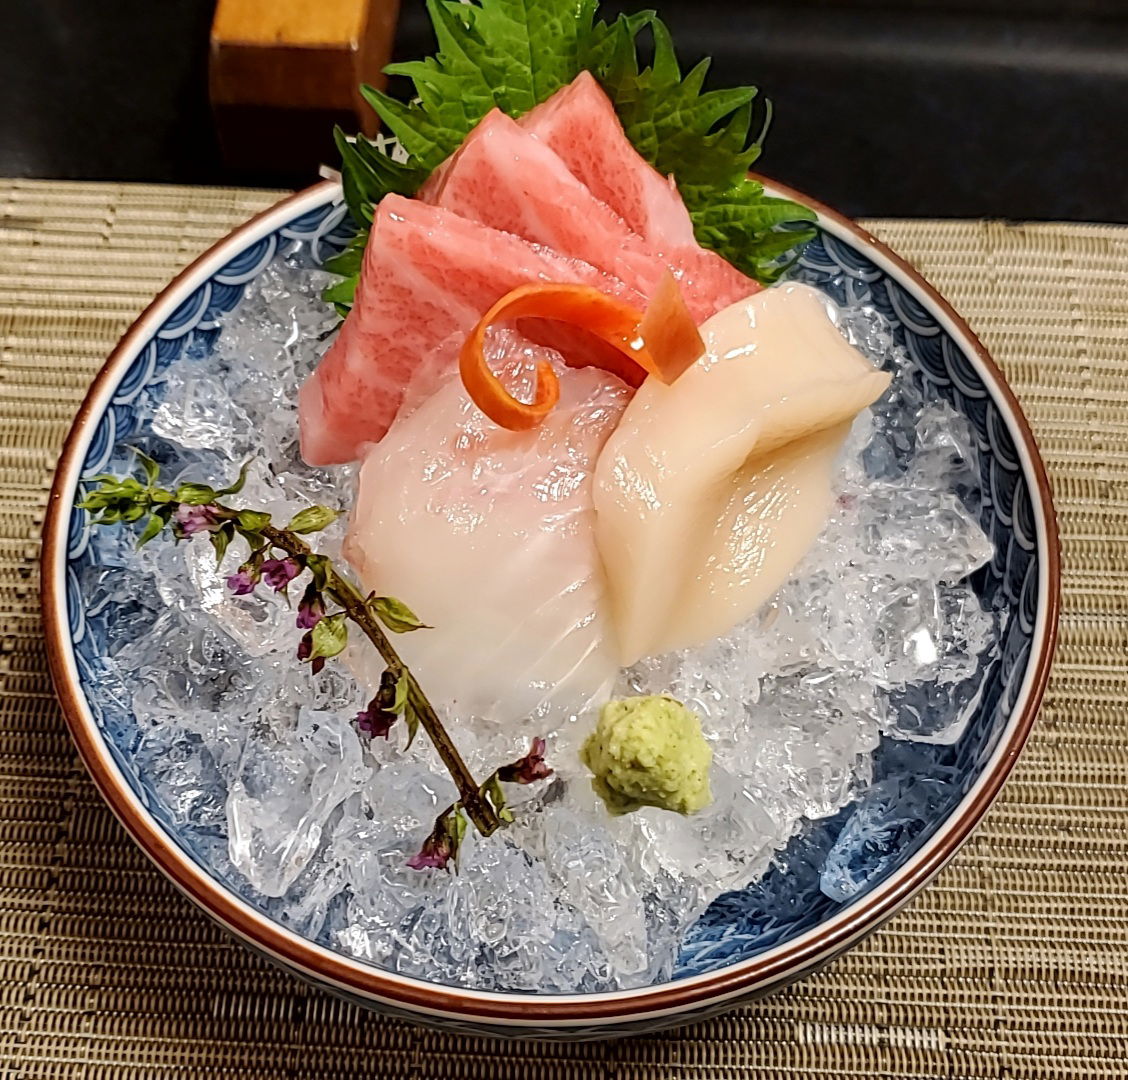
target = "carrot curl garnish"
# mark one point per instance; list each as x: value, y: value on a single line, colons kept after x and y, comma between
x: 662, y: 343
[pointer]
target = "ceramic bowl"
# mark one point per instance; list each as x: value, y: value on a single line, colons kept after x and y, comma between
x: 733, y: 956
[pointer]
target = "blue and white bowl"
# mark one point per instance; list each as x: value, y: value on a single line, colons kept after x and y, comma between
x: 736, y: 952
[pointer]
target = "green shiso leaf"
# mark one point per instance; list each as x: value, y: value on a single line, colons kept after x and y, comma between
x: 754, y: 231
x: 514, y: 54
x: 700, y: 137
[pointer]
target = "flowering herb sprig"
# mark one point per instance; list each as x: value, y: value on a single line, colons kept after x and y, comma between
x: 276, y: 558
x: 442, y: 845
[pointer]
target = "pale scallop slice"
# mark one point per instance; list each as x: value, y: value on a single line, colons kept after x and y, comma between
x: 711, y: 490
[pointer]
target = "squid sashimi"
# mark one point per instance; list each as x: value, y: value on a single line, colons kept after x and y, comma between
x: 712, y: 489
x: 490, y: 534
x: 579, y: 123
x: 428, y: 273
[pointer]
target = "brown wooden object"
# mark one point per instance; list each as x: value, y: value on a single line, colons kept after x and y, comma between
x: 283, y: 72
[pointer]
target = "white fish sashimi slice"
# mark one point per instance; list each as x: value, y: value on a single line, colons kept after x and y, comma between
x: 711, y: 490
x: 488, y: 535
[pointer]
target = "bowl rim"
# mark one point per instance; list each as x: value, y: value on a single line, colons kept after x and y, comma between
x: 774, y: 967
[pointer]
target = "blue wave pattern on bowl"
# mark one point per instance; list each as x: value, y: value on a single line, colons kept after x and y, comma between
x: 782, y: 905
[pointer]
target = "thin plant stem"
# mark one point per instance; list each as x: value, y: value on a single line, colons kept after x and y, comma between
x: 478, y: 808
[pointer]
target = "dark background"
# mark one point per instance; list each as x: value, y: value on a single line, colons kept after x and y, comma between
x: 1001, y: 108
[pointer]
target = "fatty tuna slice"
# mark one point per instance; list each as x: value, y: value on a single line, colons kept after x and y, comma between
x: 580, y: 125
x: 428, y: 273
x: 505, y: 177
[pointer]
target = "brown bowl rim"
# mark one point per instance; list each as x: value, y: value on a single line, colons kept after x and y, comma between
x: 779, y: 965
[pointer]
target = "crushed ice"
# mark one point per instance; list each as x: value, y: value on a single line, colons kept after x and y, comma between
x: 877, y: 634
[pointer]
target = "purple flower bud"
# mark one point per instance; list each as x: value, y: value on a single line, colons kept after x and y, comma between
x: 189, y: 520
x: 278, y: 573
x: 434, y: 855
x: 305, y: 651
x: 305, y: 646
x: 244, y: 580
x: 375, y: 721
x: 528, y: 769
x: 311, y: 609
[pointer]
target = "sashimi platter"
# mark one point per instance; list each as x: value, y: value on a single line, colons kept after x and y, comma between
x: 542, y: 567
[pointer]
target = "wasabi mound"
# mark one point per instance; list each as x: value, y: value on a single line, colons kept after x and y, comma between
x: 649, y: 751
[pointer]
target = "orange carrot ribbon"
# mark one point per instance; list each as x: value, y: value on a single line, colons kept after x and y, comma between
x: 663, y: 342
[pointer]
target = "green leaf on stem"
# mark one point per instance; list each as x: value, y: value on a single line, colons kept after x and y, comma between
x: 456, y: 826
x: 252, y: 521
x: 492, y: 791
x: 152, y: 528
x: 236, y: 487
x: 411, y: 719
x: 319, y: 567
x: 399, y: 702
x: 195, y: 494
x: 152, y: 469
x: 395, y: 615
x: 313, y: 519
x: 221, y: 538
x: 330, y: 636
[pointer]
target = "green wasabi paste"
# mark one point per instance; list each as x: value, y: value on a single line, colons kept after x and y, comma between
x: 649, y: 751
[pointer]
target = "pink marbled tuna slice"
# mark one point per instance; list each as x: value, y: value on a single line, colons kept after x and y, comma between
x: 428, y: 273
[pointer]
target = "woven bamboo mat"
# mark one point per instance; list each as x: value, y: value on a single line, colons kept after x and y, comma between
x: 1013, y: 964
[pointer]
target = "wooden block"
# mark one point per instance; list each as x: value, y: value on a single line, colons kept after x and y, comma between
x: 283, y: 72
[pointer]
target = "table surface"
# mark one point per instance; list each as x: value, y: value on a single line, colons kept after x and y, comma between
x: 1014, y: 963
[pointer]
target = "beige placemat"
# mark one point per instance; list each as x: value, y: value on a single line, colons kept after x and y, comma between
x: 1013, y: 964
